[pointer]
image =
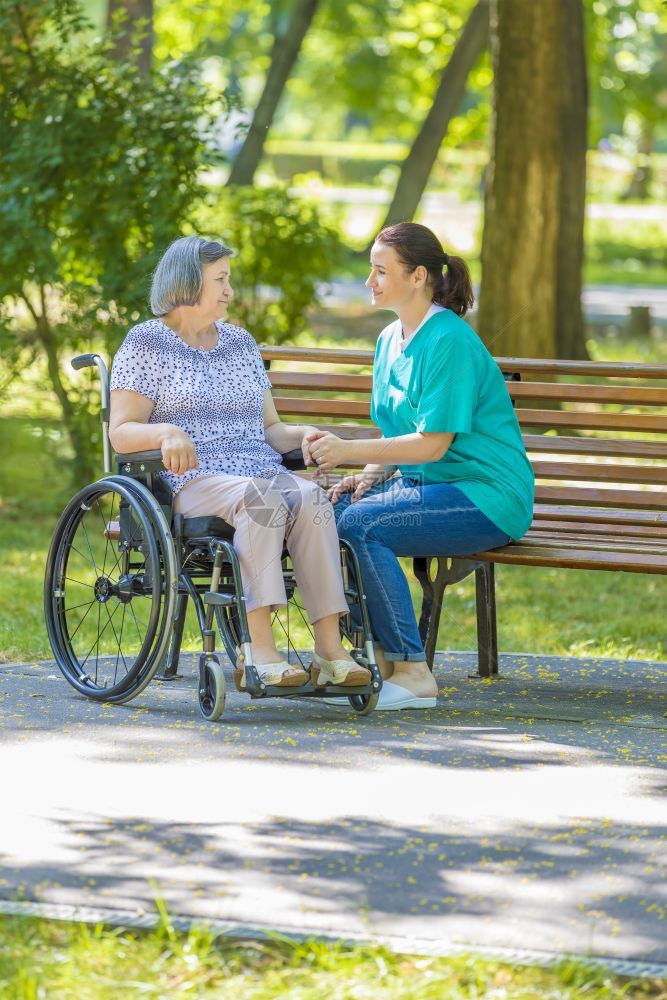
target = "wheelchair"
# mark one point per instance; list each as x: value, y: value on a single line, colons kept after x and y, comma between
x: 122, y: 568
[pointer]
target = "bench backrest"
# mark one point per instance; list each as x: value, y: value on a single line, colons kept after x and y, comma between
x: 596, y: 432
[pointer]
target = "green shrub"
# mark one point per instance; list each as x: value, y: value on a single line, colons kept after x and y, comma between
x: 284, y: 248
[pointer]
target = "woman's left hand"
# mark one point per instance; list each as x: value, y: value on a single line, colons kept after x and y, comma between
x: 327, y: 450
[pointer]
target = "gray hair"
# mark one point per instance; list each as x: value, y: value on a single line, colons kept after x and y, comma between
x: 178, y: 278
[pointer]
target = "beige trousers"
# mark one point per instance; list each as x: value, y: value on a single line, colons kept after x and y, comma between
x: 267, y: 514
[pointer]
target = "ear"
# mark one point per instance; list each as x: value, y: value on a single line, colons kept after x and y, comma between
x: 420, y: 276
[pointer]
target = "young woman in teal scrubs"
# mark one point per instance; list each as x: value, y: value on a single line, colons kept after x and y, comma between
x: 450, y: 475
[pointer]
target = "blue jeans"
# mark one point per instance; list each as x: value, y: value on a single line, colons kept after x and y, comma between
x: 403, y: 518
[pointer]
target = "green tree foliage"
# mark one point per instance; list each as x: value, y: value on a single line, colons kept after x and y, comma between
x: 627, y: 56
x: 283, y: 249
x: 99, y: 171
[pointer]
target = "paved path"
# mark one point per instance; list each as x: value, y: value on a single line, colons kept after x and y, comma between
x: 526, y: 813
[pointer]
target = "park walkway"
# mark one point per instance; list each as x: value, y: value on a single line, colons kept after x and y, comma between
x: 527, y: 814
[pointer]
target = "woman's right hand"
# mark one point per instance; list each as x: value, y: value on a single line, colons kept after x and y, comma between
x: 357, y: 485
x: 178, y: 451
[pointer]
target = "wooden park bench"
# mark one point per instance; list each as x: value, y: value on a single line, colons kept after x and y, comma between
x: 596, y: 434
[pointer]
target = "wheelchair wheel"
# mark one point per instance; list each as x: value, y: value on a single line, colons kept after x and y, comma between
x: 212, y: 689
x: 108, y: 610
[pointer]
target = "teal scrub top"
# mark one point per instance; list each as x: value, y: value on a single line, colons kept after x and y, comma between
x: 445, y: 380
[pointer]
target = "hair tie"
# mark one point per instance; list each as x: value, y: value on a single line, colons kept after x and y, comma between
x: 446, y: 259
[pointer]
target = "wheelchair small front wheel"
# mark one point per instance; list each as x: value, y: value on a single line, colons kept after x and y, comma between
x: 212, y: 689
x: 363, y: 704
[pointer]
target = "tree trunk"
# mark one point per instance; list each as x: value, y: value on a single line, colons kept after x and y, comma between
x: 135, y: 10
x: 417, y: 166
x: 640, y: 182
x: 570, y: 335
x: 517, y: 312
x: 283, y: 57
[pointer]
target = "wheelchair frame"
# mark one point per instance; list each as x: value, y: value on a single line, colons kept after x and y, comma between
x: 168, y: 560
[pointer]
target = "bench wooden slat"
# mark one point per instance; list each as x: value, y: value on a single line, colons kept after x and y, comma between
x: 631, y: 394
x: 574, y: 541
x: 594, y: 497
x: 534, y: 555
x: 592, y: 529
x: 595, y: 446
x: 546, y: 366
x: 320, y: 355
x: 546, y: 418
x: 322, y: 407
x: 327, y: 382
x: 599, y: 369
x: 351, y: 431
x: 601, y: 472
x: 594, y: 420
x: 599, y: 515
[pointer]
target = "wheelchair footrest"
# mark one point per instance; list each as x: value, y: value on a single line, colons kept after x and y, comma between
x: 219, y: 599
x: 308, y: 691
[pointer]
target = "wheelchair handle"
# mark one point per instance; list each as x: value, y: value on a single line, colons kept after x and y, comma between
x: 87, y: 361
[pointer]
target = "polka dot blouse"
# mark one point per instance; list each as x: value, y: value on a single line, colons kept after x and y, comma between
x: 216, y: 396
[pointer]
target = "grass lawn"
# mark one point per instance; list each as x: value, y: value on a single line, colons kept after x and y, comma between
x: 78, y: 962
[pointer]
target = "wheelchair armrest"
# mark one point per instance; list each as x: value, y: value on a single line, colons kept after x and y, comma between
x: 150, y: 460
x: 294, y: 460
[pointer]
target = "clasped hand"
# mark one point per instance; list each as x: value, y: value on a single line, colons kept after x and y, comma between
x: 324, y: 450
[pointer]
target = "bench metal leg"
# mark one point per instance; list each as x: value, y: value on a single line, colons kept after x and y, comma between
x: 170, y: 669
x: 448, y: 571
x: 487, y: 637
x: 433, y: 593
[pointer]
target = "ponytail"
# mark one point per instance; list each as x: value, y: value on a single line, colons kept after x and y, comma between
x: 453, y: 287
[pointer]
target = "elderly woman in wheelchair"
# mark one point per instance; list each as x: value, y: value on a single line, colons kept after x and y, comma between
x: 203, y: 494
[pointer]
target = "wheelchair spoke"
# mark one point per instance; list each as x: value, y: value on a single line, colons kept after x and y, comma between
x: 100, y: 633
x: 89, y: 548
x: 136, y: 623
x: 119, y: 651
x: 73, y: 548
x: 301, y: 611
x: 79, y: 582
x: 116, y: 636
x: 82, y: 620
x: 86, y: 604
x: 97, y: 646
x: 105, y: 533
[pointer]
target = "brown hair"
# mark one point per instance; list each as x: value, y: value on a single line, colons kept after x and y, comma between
x: 417, y: 246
